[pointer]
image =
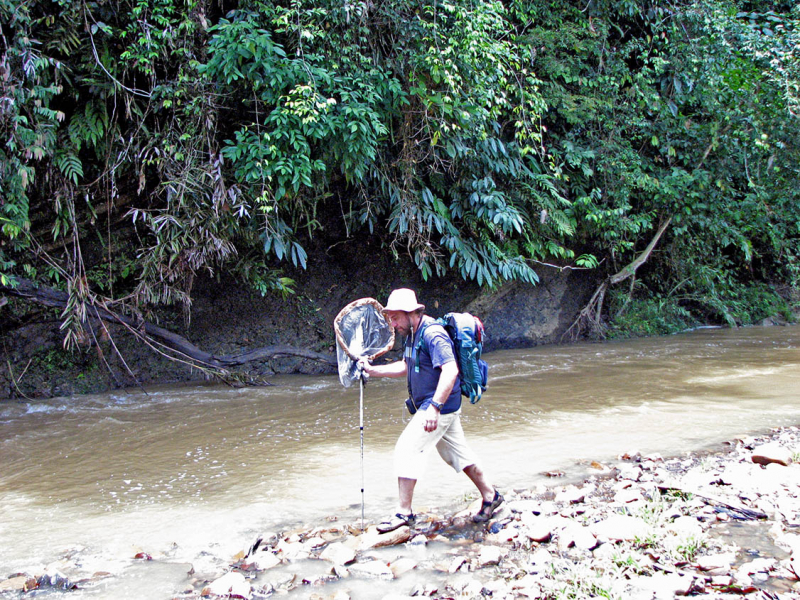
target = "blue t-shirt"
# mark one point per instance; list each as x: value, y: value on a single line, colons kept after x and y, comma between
x: 424, y: 365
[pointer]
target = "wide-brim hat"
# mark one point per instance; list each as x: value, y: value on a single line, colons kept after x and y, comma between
x: 403, y: 299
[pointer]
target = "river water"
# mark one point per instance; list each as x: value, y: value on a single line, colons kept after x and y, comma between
x: 193, y: 474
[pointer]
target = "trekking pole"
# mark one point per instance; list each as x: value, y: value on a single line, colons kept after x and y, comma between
x: 361, y: 427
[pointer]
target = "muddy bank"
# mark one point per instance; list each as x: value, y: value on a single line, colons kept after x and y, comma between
x: 230, y: 318
x: 715, y: 524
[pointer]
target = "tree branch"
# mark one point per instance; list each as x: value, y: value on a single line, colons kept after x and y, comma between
x: 57, y: 299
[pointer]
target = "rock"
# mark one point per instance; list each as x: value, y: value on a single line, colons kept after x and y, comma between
x: 663, y: 585
x: 605, y: 552
x: 292, y: 550
x: 759, y: 565
x: 628, y: 495
x: 528, y: 586
x: 314, y: 542
x: 714, y: 562
x: 455, y: 564
x: 790, y: 541
x: 402, y: 565
x: 496, y: 588
x: 539, y: 561
x: 685, y: 527
x: 338, y: 554
x: 471, y: 589
x: 771, y: 453
x: 230, y: 584
x: 418, y: 540
x: 373, y: 539
x: 538, y: 530
x: 721, y: 580
x: 524, y: 506
x: 14, y: 584
x: 576, y: 535
x: 373, y: 568
x: 260, y: 561
x: 571, y: 495
x: 490, y: 555
x: 340, y: 571
x: 620, y: 528
x: 56, y: 580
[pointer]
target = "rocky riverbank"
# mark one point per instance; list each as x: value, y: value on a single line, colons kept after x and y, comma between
x: 714, y: 524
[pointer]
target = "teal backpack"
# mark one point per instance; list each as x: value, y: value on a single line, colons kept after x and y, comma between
x: 467, y: 333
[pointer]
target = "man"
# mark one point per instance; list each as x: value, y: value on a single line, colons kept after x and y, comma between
x: 435, y: 400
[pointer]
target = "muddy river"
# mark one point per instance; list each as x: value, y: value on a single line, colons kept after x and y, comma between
x: 185, y: 473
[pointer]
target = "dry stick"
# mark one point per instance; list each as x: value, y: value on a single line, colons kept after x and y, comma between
x: 103, y: 354
x: 748, y: 513
x: 122, y: 358
x: 16, y: 380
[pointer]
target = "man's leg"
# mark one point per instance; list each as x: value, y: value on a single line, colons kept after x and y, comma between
x: 475, y: 474
x: 406, y: 492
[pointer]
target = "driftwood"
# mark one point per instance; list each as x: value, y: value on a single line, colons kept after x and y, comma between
x: 726, y: 505
x: 57, y: 299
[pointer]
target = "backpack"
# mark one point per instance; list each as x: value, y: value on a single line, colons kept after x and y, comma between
x: 467, y: 334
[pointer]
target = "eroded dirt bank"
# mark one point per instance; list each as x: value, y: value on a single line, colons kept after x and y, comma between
x: 229, y: 318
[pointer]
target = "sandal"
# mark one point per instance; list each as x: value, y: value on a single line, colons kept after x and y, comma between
x: 488, y: 508
x: 397, y: 521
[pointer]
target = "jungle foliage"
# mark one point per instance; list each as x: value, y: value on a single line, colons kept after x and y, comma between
x: 144, y: 141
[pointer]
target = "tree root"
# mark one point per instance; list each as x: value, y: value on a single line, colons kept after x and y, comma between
x: 162, y: 341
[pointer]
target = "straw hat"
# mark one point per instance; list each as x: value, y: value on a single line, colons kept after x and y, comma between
x: 404, y: 300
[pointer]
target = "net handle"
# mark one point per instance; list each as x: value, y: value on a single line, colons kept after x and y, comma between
x: 340, y: 337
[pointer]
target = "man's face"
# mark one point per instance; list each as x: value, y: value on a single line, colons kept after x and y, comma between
x: 401, y: 321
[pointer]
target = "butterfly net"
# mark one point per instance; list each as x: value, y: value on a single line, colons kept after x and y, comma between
x: 361, y: 332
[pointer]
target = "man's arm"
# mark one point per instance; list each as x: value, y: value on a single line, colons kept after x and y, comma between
x: 447, y: 379
x: 395, y: 369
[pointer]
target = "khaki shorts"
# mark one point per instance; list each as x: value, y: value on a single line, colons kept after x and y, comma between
x: 415, y: 444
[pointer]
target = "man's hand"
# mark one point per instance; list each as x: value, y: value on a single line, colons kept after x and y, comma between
x: 364, y: 365
x: 431, y: 420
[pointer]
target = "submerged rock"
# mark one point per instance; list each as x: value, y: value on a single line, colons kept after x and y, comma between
x: 373, y: 568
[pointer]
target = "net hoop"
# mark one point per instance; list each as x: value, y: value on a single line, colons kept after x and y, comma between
x: 340, y: 337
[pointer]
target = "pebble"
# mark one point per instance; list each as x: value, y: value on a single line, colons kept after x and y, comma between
x: 490, y: 555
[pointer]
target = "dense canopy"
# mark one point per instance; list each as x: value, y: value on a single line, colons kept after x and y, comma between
x: 144, y: 141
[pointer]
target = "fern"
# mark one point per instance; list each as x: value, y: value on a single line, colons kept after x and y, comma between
x: 89, y: 127
x: 69, y: 165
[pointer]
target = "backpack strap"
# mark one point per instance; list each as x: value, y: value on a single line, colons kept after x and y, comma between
x: 418, y: 346
x: 415, y: 348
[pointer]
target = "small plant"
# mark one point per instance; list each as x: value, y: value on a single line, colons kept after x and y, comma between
x: 690, y: 547
x: 571, y: 581
x: 652, y: 512
x: 629, y: 563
